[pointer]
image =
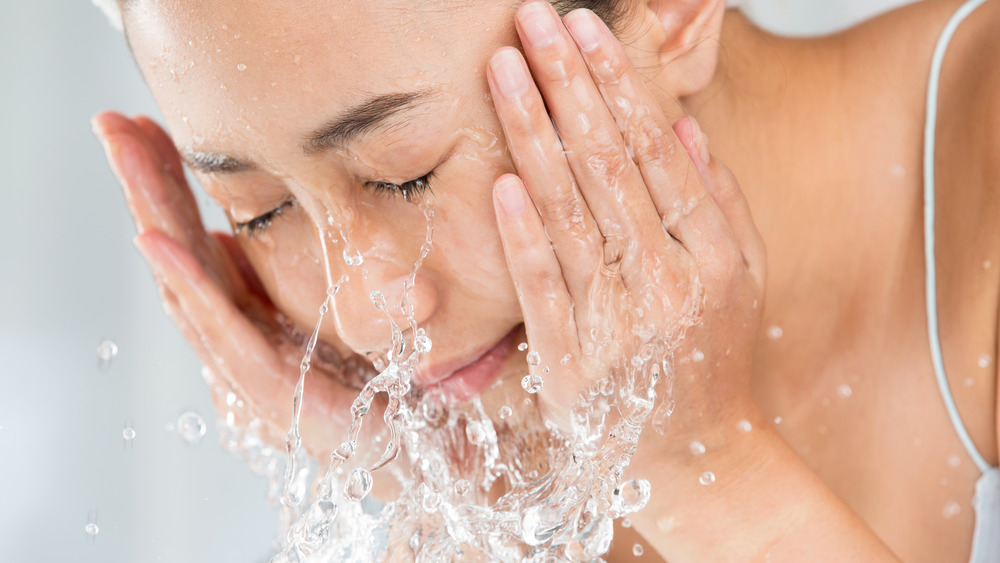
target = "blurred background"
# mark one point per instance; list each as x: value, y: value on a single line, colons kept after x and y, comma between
x: 70, y: 279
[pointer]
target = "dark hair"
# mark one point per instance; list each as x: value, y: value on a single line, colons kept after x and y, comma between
x: 613, y: 12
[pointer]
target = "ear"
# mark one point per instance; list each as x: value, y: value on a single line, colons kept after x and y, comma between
x: 685, y: 41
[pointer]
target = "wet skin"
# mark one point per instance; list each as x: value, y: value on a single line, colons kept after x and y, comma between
x: 468, y: 293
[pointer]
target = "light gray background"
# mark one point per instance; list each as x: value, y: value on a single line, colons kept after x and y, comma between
x: 69, y: 277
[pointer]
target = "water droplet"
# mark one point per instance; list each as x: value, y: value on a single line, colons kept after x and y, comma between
x: 354, y: 258
x: 626, y: 523
x: 533, y: 358
x: 697, y: 448
x: 106, y: 352
x: 951, y: 510
x: 462, y: 487
x: 697, y: 355
x: 987, y: 264
x: 593, y: 541
x: 128, y: 433
x: 430, y: 499
x: 344, y: 451
x: 707, y: 478
x: 241, y: 67
x: 230, y: 398
x: 522, y: 346
x: 969, y: 382
x: 637, y: 550
x: 984, y: 361
x: 505, y: 411
x: 775, y: 332
x: 954, y: 461
x: 377, y: 299
x: 844, y: 390
x: 532, y: 383
x: 744, y: 426
x: 565, y: 359
x: 359, y: 484
x: 475, y: 432
x: 778, y: 420
x: 91, y: 529
x: 191, y: 427
x: 422, y: 343
x: 631, y: 496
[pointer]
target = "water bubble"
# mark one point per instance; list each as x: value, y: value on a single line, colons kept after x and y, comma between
x: 744, y: 426
x: 844, y: 390
x: 984, y: 361
x: 954, y: 461
x: 91, y: 529
x: 377, y: 299
x: 462, y: 487
x: 631, y: 496
x: 637, y: 550
x: 565, y: 359
x: 522, y: 346
x: 241, y: 67
x: 475, y: 432
x: 775, y: 332
x: 533, y: 358
x: 505, y: 412
x: 951, y: 510
x: 191, y: 427
x: 626, y: 523
x: 697, y: 355
x: 707, y: 478
x: 359, y: 484
x: 697, y: 448
x: 106, y: 352
x: 532, y: 383
x: 778, y: 420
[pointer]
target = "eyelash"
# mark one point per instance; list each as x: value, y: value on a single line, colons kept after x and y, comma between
x: 260, y: 224
x: 409, y: 190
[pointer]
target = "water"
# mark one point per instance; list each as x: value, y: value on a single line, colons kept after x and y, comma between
x: 467, y: 488
x: 637, y: 550
x: 107, y: 350
x: 128, y: 434
x: 191, y: 426
x: 707, y: 478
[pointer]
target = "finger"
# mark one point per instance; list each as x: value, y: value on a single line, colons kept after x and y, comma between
x: 541, y: 291
x: 538, y: 155
x: 235, y: 346
x: 690, y: 215
x: 155, y: 199
x: 609, y: 180
x: 727, y: 195
x: 164, y: 147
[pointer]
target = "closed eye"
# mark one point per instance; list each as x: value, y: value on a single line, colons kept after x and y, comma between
x: 409, y: 190
x: 260, y: 224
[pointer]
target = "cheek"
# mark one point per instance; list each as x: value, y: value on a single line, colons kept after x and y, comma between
x: 288, y: 260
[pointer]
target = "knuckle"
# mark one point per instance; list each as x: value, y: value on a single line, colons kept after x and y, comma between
x: 607, y: 160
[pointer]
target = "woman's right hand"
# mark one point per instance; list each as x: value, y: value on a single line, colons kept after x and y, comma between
x: 210, y: 290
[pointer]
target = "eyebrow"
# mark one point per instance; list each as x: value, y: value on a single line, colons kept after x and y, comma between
x: 355, y: 122
x: 361, y: 119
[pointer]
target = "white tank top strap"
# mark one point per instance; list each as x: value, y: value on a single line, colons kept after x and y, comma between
x: 930, y: 133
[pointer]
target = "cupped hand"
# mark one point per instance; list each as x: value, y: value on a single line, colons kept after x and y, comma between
x: 212, y: 293
x: 621, y: 232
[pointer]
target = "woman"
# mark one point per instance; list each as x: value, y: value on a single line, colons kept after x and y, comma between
x: 330, y: 132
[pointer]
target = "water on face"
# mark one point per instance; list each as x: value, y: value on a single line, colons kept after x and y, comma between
x: 470, y: 488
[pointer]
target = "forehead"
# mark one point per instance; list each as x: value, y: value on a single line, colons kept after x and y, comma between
x: 257, y: 62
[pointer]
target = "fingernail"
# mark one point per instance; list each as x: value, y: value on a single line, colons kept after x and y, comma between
x: 584, y: 27
x: 702, y: 141
x: 509, y: 72
x: 511, y: 196
x: 539, y: 23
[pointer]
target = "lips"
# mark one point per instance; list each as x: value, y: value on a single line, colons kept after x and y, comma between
x: 462, y: 379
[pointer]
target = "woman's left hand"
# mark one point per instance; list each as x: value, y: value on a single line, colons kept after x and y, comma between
x: 620, y: 230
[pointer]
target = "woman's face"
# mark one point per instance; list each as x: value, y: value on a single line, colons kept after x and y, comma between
x: 360, y: 117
